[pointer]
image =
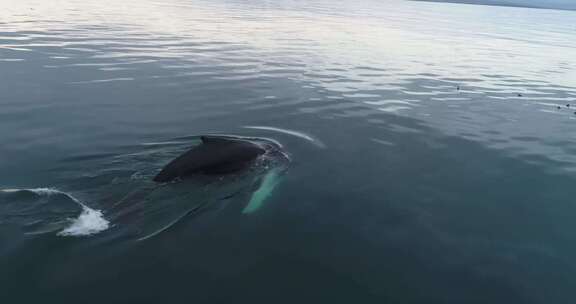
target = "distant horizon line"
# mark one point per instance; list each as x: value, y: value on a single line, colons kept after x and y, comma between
x: 498, y: 3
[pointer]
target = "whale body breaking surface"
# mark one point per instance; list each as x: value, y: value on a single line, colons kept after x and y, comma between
x: 214, y: 172
x: 216, y: 155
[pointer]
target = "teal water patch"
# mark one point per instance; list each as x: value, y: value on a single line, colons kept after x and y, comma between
x: 269, y: 183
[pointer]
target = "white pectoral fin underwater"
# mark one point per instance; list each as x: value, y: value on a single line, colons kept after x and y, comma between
x: 269, y: 182
x: 218, y: 171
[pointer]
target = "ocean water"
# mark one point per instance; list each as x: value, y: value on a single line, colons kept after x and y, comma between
x: 431, y: 147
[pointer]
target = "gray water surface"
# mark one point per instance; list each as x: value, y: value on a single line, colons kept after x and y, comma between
x: 432, y: 148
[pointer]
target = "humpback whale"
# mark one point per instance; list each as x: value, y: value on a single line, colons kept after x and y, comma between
x: 216, y: 155
x: 151, y: 192
x: 218, y: 170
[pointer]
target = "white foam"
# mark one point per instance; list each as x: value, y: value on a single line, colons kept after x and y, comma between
x: 9, y: 190
x: 89, y: 222
x: 49, y: 191
x: 39, y: 191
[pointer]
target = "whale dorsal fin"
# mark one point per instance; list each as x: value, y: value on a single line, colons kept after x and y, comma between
x: 214, y: 140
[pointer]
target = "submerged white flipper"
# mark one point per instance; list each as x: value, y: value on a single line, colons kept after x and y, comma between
x: 269, y: 183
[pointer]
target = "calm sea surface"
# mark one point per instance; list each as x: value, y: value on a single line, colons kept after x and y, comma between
x: 432, y: 147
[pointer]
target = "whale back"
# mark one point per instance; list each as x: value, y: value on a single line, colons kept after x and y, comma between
x: 216, y: 155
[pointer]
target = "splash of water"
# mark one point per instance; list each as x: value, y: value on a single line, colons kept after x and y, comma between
x: 89, y: 222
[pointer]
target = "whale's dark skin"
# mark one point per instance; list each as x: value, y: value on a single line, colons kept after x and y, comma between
x: 216, y: 155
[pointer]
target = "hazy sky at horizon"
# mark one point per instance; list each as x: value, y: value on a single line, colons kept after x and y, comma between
x: 570, y: 4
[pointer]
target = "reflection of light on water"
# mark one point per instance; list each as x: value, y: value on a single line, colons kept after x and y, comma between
x: 394, y: 35
x: 302, y: 135
x: 401, y: 57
